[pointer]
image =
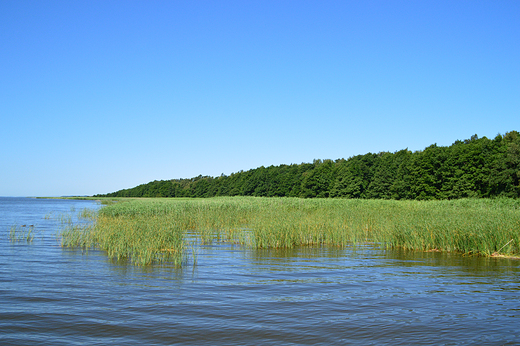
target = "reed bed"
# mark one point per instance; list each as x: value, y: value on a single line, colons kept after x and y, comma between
x: 140, y: 239
x: 154, y: 230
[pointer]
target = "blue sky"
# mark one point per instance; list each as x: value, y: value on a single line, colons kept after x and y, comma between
x: 97, y: 96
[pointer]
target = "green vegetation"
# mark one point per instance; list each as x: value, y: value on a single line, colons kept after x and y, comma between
x: 21, y: 233
x: 476, y: 167
x: 148, y: 231
x: 376, y: 205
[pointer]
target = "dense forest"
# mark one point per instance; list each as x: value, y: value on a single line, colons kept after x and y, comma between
x: 475, y: 167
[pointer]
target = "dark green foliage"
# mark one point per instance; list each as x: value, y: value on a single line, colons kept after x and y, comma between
x: 318, y: 181
x: 475, y: 167
x: 354, y: 176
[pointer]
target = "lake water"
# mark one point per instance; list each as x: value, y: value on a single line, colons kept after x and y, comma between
x: 237, y: 296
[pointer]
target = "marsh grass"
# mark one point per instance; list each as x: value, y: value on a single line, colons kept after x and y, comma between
x: 87, y: 214
x: 477, y: 229
x: 21, y: 233
x: 139, y: 239
x: 148, y: 231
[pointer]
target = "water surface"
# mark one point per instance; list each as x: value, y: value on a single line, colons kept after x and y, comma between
x: 234, y: 295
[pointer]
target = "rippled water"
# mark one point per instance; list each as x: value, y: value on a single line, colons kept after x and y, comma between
x: 234, y: 295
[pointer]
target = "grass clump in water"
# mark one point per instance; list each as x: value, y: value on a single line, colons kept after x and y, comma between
x: 21, y: 233
x: 143, y: 240
x: 139, y: 239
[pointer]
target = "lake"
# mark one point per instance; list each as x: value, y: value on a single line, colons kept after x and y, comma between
x: 228, y: 294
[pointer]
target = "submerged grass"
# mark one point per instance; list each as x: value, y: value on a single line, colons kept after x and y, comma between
x: 154, y: 230
x: 21, y: 233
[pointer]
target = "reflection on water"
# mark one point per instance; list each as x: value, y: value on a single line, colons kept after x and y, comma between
x: 235, y: 295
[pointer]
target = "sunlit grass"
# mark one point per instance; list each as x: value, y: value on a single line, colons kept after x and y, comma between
x: 148, y: 231
x: 139, y: 239
x: 21, y: 233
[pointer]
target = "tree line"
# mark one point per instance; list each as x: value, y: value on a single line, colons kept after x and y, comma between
x: 475, y: 167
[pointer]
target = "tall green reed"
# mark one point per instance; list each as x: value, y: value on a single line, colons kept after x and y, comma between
x: 155, y: 230
x: 21, y: 233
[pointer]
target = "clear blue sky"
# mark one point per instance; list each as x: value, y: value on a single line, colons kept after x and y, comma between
x: 97, y: 96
